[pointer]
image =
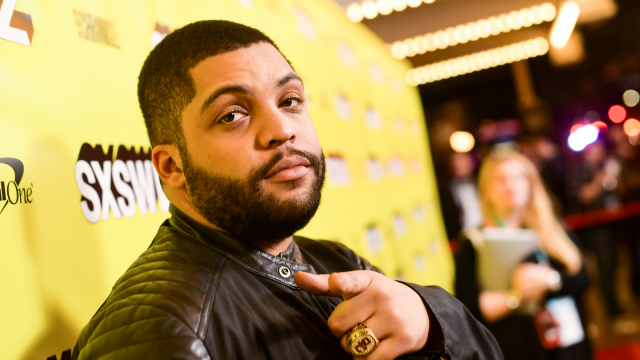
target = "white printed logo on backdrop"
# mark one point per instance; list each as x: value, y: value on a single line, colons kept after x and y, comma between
x: 376, y: 73
x: 305, y: 25
x: 375, y: 169
x: 337, y: 170
x: 159, y: 33
x: 15, y: 26
x: 347, y: 56
x: 398, y: 124
x: 419, y: 214
x: 399, y: 226
x: 396, y: 167
x: 246, y: 3
x: 118, y: 184
x: 343, y: 107
x: 374, y: 119
x: 374, y: 239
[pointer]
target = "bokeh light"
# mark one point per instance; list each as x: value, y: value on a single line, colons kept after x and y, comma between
x: 631, y: 98
x: 575, y: 128
x: 632, y: 127
x: 564, y: 25
x: 582, y: 137
x: 592, y: 116
x: 369, y: 9
x: 354, y: 13
x: 601, y: 125
x: 462, y: 141
x: 478, y: 61
x: 385, y: 7
x: 617, y: 114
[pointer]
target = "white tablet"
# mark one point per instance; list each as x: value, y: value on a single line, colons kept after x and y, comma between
x: 502, y: 250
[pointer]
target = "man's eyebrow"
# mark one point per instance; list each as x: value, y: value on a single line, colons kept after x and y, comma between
x: 290, y: 76
x: 223, y: 90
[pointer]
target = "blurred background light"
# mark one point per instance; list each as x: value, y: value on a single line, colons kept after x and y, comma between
x: 617, y: 114
x: 632, y: 127
x: 592, y: 116
x: 354, y: 13
x: 385, y: 7
x: 582, y: 137
x: 482, y: 28
x: 462, y: 141
x: 631, y: 98
x: 601, y: 126
x: 399, y: 5
x: 480, y: 61
x: 370, y: 9
x: 564, y: 25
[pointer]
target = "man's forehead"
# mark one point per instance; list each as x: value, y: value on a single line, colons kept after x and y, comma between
x: 258, y: 63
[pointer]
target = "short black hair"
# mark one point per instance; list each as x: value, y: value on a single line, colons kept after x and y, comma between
x: 165, y: 86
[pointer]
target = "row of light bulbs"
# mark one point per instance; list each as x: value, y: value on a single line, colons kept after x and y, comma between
x: 473, y: 31
x: 370, y: 9
x: 478, y: 61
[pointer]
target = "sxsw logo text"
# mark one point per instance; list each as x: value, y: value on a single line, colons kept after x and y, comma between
x: 117, y: 184
x: 10, y: 191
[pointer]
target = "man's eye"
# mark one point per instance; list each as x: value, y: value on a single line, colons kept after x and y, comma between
x: 231, y: 117
x: 291, y: 102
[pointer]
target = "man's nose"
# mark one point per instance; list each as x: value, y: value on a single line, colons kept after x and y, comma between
x: 275, y: 129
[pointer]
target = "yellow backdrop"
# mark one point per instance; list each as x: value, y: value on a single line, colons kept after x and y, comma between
x: 68, y: 73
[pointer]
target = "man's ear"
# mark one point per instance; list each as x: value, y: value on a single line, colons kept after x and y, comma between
x: 168, y: 163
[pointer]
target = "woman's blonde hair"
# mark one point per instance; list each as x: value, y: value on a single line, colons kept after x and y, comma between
x: 539, y: 215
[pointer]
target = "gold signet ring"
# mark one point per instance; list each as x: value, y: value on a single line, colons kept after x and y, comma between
x: 361, y: 341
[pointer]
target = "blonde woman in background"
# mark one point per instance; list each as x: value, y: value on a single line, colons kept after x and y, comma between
x: 512, y: 195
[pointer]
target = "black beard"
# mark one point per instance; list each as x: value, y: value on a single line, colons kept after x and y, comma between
x: 244, y: 210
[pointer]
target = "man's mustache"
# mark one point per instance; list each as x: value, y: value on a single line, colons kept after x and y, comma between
x: 259, y: 173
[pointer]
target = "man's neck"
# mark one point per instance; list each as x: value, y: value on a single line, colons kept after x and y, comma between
x: 273, y: 248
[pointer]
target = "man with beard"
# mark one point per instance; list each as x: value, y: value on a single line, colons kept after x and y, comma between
x: 225, y: 278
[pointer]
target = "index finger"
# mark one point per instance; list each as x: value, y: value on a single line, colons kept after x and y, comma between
x: 346, y: 284
x: 350, y: 283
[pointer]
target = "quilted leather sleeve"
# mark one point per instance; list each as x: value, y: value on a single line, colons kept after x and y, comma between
x: 464, y: 337
x: 153, y: 312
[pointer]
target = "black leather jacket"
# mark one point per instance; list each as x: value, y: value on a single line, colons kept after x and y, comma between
x: 197, y: 293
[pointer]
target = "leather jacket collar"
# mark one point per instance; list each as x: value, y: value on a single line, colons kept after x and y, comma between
x: 281, y: 268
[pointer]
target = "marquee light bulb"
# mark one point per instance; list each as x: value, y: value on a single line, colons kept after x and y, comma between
x: 369, y: 9
x: 354, y: 13
x: 399, y: 5
x: 547, y: 11
x: 564, y: 25
x: 385, y: 7
x: 484, y: 28
x: 483, y: 60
